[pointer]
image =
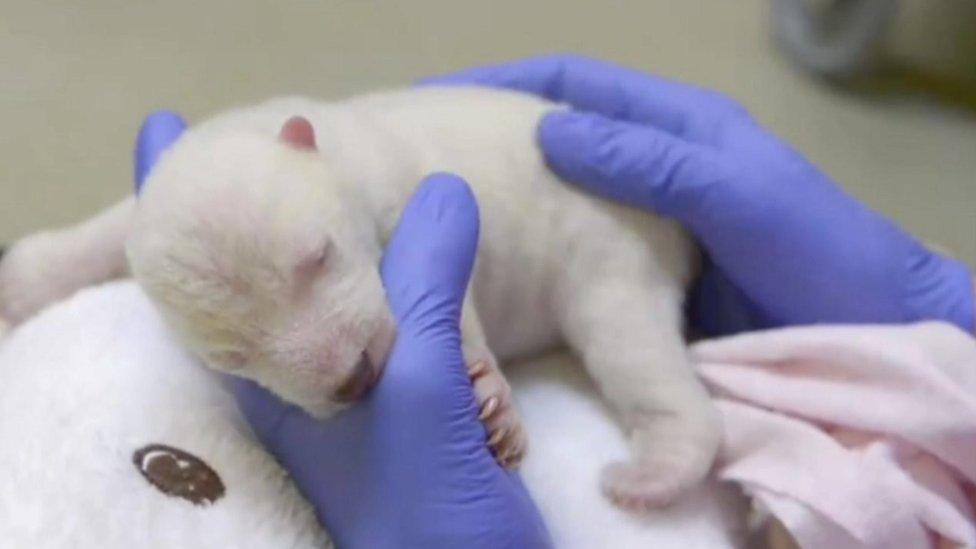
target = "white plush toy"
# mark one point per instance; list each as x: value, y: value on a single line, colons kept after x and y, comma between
x: 116, y: 437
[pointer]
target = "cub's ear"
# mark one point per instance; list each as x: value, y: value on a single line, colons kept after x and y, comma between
x: 297, y: 132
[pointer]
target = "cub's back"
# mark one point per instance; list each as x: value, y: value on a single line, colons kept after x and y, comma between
x: 385, y: 142
x: 531, y: 223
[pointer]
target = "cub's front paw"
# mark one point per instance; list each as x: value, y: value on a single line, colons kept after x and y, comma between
x: 506, y: 436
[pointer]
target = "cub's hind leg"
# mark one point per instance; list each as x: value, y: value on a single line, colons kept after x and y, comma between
x: 629, y: 337
x: 51, y: 265
x: 619, y: 306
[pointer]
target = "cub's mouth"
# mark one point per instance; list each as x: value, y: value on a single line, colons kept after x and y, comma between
x: 362, y: 378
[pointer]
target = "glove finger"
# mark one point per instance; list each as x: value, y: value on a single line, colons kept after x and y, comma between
x: 608, y: 89
x: 939, y: 287
x: 631, y: 163
x: 428, y: 260
x: 158, y: 131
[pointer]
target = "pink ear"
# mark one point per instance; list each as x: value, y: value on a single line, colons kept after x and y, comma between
x: 298, y: 133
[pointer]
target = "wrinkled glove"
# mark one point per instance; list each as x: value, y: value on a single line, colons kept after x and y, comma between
x: 785, y: 245
x: 408, y: 466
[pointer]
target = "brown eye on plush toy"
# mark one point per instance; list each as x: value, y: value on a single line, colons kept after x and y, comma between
x: 178, y: 473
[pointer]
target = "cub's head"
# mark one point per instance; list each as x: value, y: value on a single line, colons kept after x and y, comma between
x: 265, y: 263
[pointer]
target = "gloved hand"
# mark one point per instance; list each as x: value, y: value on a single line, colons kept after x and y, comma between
x: 785, y: 245
x: 408, y: 466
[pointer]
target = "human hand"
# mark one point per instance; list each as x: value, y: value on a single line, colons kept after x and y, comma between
x: 785, y: 245
x: 407, y: 467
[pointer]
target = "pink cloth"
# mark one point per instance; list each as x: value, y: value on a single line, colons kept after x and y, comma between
x: 852, y: 436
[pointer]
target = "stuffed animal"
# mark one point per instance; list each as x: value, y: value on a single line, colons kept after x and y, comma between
x: 117, y: 437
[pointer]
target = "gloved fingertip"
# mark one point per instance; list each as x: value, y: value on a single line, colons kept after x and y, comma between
x: 441, y: 212
x: 572, y: 142
x: 573, y: 123
x: 444, y: 194
x: 628, y: 162
x: 432, y: 248
x: 158, y: 131
x: 953, y: 298
x: 564, y: 135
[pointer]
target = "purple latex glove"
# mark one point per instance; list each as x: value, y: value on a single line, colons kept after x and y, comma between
x: 785, y: 245
x: 407, y: 467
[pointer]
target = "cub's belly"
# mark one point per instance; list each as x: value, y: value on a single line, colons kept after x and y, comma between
x: 513, y: 300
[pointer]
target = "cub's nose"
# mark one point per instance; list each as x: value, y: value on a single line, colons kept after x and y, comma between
x: 359, y: 381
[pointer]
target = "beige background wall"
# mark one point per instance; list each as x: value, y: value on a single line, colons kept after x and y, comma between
x: 76, y: 76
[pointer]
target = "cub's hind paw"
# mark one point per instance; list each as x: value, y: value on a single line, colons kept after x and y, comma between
x: 641, y: 486
x: 665, y: 469
x: 505, y: 435
x: 31, y: 277
x: 673, y: 453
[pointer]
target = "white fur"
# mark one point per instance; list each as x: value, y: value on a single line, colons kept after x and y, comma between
x: 264, y: 258
x: 92, y: 379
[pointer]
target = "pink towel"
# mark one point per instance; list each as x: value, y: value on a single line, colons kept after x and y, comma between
x: 853, y: 437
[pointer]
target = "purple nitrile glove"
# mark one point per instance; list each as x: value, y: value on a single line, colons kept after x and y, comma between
x: 158, y: 131
x: 785, y: 245
x: 408, y: 466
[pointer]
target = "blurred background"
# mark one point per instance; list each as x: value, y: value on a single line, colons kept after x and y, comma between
x: 76, y: 78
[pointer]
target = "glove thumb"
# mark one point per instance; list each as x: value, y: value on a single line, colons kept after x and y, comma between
x: 429, y: 258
